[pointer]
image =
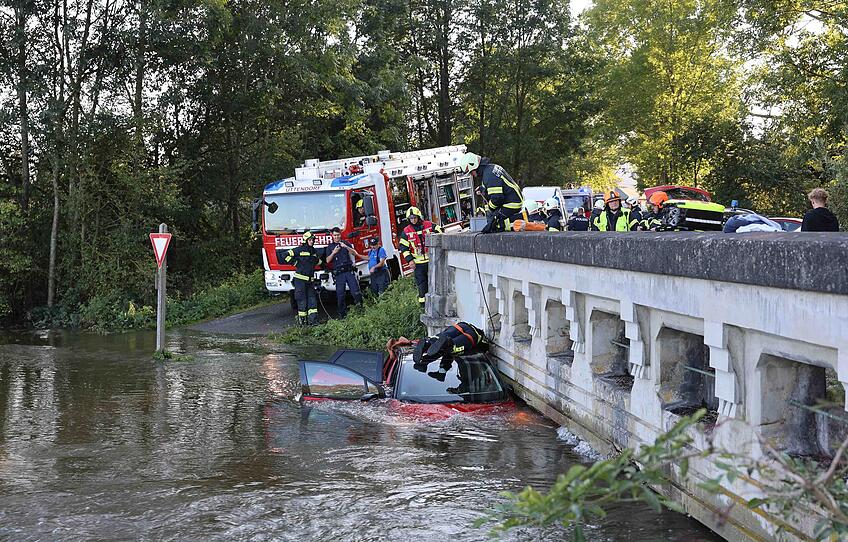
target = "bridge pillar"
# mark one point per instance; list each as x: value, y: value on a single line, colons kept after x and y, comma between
x: 726, y: 388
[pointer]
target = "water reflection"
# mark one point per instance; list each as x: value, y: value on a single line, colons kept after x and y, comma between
x: 98, y: 441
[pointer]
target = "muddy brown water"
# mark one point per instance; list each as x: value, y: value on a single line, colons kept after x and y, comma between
x: 97, y: 441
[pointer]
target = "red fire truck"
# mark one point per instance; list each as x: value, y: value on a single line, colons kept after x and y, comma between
x: 365, y: 196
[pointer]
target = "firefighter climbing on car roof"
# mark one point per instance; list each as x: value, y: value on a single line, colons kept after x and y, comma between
x: 614, y: 217
x: 652, y: 221
x: 305, y: 258
x: 414, y: 248
x: 459, y: 339
x: 502, y: 192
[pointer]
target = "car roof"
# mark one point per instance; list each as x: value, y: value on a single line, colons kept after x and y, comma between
x: 368, y: 363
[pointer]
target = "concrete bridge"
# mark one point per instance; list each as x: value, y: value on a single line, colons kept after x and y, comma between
x: 617, y: 335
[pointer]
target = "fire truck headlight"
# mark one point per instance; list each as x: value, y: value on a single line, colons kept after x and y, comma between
x: 269, y: 276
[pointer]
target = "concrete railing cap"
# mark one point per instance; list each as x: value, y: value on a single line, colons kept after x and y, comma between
x: 815, y: 262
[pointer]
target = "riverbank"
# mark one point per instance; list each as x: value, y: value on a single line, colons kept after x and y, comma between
x: 114, y: 313
x: 394, y: 314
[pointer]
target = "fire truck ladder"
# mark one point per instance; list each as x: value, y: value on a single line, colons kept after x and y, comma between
x: 415, y: 164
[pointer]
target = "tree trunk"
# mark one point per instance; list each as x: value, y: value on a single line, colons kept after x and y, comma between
x: 23, y: 107
x: 484, y: 57
x: 54, y: 235
x: 58, y: 106
x: 445, y: 127
x: 140, y: 65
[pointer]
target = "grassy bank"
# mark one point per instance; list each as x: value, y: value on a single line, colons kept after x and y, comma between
x: 113, y: 312
x: 394, y: 314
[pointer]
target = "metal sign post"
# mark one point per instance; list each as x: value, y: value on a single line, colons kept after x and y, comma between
x: 160, y: 243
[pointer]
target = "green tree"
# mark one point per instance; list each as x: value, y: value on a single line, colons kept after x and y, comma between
x: 670, y: 74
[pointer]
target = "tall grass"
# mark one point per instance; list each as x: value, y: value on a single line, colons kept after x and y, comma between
x: 113, y: 312
x: 394, y: 314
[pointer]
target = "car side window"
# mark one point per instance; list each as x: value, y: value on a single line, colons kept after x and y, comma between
x: 332, y: 381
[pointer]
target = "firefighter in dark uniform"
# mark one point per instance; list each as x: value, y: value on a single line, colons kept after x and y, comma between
x: 554, y: 216
x: 414, y: 248
x: 304, y: 258
x: 652, y: 220
x: 459, y: 339
x: 502, y: 192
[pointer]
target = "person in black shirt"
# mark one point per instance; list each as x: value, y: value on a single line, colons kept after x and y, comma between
x: 819, y: 218
x: 578, y: 220
x: 343, y: 257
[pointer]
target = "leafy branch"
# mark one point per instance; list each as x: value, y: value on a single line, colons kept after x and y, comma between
x: 584, y: 492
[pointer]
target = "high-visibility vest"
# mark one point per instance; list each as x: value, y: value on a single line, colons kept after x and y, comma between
x: 622, y: 223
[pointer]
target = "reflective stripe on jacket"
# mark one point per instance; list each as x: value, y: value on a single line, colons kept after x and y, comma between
x: 412, y: 241
x: 304, y: 259
x: 502, y: 192
x: 622, y: 221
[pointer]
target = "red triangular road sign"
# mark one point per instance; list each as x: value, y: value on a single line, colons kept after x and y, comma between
x: 160, y: 243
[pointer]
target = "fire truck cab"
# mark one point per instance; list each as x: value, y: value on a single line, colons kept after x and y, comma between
x: 364, y: 196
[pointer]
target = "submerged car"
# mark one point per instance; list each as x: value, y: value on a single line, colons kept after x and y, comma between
x: 440, y: 388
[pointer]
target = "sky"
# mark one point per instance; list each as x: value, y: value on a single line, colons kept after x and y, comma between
x: 579, y: 6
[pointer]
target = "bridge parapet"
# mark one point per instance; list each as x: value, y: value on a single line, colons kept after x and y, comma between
x: 617, y: 335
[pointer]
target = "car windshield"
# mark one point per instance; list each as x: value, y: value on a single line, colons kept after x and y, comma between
x: 685, y: 193
x: 306, y: 211
x: 573, y: 202
x: 469, y: 379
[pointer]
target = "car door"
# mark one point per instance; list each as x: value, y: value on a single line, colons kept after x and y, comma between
x: 322, y: 380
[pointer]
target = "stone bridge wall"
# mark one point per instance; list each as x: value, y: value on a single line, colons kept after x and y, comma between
x: 612, y: 334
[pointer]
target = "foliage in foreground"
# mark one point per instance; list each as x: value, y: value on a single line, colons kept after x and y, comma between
x: 584, y: 492
x: 394, y: 314
x: 790, y: 486
x: 112, y: 312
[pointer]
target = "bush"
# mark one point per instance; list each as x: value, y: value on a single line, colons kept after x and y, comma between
x: 113, y: 311
x: 394, y: 314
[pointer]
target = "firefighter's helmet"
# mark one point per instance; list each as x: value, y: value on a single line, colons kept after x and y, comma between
x: 551, y: 203
x: 658, y: 198
x: 531, y: 206
x: 307, y: 235
x: 599, y: 204
x: 469, y: 162
x: 413, y: 211
x: 611, y: 195
x: 361, y: 203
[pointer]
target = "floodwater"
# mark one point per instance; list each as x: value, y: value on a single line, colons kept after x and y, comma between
x: 97, y: 441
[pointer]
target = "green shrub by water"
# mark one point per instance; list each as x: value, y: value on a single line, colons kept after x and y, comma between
x: 394, y: 314
x: 114, y: 312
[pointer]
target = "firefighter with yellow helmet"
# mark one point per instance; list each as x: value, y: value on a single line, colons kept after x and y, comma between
x: 305, y: 258
x: 613, y: 217
x: 500, y: 190
x: 413, y: 248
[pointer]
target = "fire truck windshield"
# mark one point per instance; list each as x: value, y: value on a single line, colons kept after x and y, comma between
x: 305, y: 211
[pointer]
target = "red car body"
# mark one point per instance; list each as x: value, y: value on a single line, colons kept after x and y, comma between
x: 679, y: 192
x: 437, y: 390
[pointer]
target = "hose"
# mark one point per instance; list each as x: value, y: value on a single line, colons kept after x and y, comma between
x: 480, y: 280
